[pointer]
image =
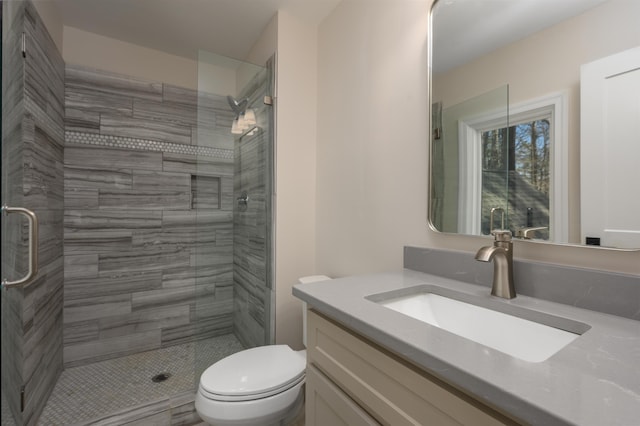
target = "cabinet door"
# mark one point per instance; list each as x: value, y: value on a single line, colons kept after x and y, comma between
x: 387, y: 388
x: 327, y: 405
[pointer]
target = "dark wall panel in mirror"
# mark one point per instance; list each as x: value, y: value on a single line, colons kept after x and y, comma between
x: 542, y: 50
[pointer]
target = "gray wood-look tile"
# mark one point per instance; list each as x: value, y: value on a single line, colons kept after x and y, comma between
x: 83, y: 177
x: 129, y: 227
x: 108, y: 284
x: 80, y: 199
x: 179, y: 114
x: 164, y: 181
x: 78, y: 354
x: 96, y: 307
x: 81, y: 331
x: 140, y: 128
x: 91, y: 101
x: 112, y: 158
x: 187, y: 163
x: 78, y: 120
x: 80, y: 266
x: 203, y: 274
x: 144, y: 320
x: 180, y: 95
x: 147, y: 200
x: 96, y: 241
x: 102, y: 82
x: 203, y: 328
x: 111, y: 219
x: 150, y: 259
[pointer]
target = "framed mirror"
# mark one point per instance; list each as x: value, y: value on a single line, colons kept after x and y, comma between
x: 535, y: 113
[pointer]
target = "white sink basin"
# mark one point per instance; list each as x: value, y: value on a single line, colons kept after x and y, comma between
x: 518, y: 337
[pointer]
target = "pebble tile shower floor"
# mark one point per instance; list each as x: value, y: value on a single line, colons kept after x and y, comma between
x: 95, y: 390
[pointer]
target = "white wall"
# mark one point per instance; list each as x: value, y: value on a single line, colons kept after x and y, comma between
x: 372, y: 147
x: 295, y: 169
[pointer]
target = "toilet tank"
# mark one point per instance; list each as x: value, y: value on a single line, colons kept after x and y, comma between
x: 305, y: 280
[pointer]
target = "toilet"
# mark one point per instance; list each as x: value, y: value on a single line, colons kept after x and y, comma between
x: 255, y: 387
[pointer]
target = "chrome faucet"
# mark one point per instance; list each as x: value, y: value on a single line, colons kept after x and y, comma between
x: 501, y: 253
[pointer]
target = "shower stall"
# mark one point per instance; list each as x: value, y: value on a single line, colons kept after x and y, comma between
x: 153, y: 244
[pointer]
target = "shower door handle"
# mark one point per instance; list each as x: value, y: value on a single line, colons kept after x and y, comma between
x: 33, y: 246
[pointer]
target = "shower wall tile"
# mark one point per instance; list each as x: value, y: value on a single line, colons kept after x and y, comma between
x: 79, y: 199
x: 187, y: 163
x: 102, y: 349
x: 96, y: 241
x: 81, y: 331
x: 180, y: 95
x: 102, y: 83
x: 140, y: 128
x: 108, y: 158
x: 110, y: 220
x: 179, y: 114
x: 83, y: 177
x: 211, y: 326
x: 96, y: 307
x: 79, y: 266
x: 110, y: 284
x: 147, y: 200
x: 139, y: 257
x: 91, y: 102
x: 220, y: 275
x: 147, y: 259
x: 82, y: 120
x: 143, y: 180
x: 143, y: 320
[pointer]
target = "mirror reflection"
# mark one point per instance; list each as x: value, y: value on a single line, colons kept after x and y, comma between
x: 517, y: 87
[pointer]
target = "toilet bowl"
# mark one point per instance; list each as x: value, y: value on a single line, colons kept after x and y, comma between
x: 257, y: 386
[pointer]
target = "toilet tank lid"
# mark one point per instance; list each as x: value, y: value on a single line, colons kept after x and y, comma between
x: 313, y: 279
x: 254, y: 371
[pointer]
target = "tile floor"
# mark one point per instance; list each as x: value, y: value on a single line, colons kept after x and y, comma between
x: 94, y: 391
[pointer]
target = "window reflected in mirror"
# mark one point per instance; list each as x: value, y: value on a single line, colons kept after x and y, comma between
x: 519, y: 127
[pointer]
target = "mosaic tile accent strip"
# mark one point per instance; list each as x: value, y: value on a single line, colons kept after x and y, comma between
x: 145, y: 145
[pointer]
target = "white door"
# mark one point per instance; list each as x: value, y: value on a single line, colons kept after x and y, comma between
x: 610, y: 150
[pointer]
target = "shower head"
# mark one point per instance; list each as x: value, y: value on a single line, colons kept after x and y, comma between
x: 237, y: 107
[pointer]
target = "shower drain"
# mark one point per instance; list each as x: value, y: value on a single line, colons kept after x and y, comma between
x: 158, y: 378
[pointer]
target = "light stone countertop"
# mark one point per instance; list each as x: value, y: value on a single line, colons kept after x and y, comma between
x: 595, y: 380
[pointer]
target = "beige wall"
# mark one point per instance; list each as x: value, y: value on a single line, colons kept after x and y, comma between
x: 52, y: 20
x: 372, y: 132
x: 108, y: 54
x: 372, y: 147
x: 295, y: 169
x: 602, y: 31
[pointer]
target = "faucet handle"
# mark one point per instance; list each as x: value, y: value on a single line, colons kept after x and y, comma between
x: 502, y: 235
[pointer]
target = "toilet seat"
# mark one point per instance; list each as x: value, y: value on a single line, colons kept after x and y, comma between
x: 254, y: 374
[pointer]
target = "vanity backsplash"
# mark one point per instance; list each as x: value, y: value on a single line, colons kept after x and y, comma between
x: 607, y: 292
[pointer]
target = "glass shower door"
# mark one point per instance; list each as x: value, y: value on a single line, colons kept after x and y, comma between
x: 233, y: 196
x: 14, y: 250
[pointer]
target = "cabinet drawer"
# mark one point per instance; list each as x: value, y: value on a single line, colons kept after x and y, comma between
x: 391, y: 390
x: 328, y: 405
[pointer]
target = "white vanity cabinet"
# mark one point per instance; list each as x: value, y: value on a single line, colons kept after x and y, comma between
x: 352, y: 381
